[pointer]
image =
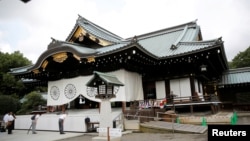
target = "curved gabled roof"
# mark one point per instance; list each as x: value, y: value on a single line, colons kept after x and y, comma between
x: 60, y: 46
x: 74, y: 47
x: 95, y: 30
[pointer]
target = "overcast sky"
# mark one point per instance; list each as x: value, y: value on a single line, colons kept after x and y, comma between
x: 28, y: 27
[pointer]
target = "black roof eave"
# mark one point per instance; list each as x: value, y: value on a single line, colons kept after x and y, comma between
x: 62, y: 48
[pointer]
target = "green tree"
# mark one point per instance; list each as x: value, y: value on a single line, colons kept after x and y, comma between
x: 8, y: 83
x: 31, y: 102
x: 8, y: 103
x: 242, y: 59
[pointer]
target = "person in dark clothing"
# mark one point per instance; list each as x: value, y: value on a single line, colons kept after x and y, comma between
x: 13, y: 122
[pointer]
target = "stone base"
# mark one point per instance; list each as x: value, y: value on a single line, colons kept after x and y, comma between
x: 100, y: 138
x: 131, y: 124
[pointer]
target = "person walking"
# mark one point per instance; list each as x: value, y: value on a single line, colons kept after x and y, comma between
x: 34, y: 119
x: 61, y: 122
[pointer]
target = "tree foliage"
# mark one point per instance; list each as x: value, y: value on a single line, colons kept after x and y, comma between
x: 10, y: 87
x: 242, y: 59
x: 8, y: 103
x: 31, y: 102
x: 8, y: 83
x: 12, y: 60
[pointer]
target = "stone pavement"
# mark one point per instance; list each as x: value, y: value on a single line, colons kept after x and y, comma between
x: 149, y: 137
x: 72, y: 136
x: 40, y: 136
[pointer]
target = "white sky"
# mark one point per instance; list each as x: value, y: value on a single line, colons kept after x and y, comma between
x: 28, y: 27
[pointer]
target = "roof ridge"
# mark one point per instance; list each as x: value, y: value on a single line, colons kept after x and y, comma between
x: 174, y: 45
x: 203, y: 41
x: 55, y: 41
x: 99, y: 27
x: 72, y: 30
x: 166, y: 30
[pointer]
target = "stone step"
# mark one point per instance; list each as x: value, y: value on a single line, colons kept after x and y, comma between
x: 176, y: 127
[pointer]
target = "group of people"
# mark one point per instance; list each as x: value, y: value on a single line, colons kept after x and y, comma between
x: 60, y: 122
x: 9, y: 121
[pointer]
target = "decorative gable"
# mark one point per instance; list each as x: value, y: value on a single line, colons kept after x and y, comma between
x: 81, y: 36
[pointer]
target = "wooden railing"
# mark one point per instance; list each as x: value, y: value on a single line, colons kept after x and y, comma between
x: 151, y: 103
x: 118, y: 121
x: 192, y: 99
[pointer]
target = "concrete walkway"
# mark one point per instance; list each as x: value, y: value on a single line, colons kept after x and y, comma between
x: 22, y: 135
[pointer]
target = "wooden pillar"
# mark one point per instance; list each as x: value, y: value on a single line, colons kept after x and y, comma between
x: 63, y: 108
x: 192, y: 85
x: 219, y: 107
x: 99, y: 106
x: 48, y: 109
x: 191, y: 109
x: 212, y: 108
x: 123, y: 106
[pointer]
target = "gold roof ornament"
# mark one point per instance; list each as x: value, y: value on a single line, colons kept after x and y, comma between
x: 77, y: 57
x: 91, y: 59
x: 45, y: 63
x: 36, y: 71
x: 60, y: 57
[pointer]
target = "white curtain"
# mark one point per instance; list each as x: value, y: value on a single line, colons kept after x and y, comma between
x: 66, y: 90
x: 181, y: 87
x: 160, y: 89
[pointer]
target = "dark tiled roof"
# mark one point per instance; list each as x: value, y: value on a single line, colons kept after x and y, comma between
x: 236, y: 76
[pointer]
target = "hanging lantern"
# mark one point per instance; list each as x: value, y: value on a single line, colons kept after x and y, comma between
x: 203, y: 68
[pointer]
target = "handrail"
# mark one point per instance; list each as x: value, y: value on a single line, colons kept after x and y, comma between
x: 120, y: 119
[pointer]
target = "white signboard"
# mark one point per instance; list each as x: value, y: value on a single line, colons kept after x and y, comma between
x: 113, y: 132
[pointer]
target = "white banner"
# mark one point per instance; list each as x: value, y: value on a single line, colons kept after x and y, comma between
x: 65, y: 90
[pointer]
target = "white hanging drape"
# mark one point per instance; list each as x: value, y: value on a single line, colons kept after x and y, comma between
x: 66, y: 90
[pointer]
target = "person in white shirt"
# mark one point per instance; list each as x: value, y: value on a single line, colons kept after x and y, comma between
x: 61, y: 121
x: 10, y: 122
x: 5, y: 120
x: 34, y: 122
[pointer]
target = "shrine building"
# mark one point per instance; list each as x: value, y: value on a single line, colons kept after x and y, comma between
x: 174, y: 60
